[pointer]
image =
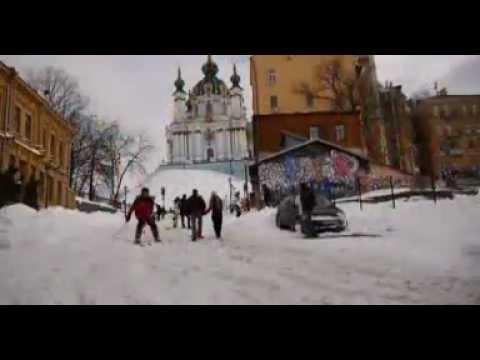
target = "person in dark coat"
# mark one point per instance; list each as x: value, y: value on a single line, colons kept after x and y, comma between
x: 143, y: 207
x: 267, y: 195
x: 184, y: 213
x: 216, y: 207
x: 31, y: 194
x: 196, y: 206
x: 307, y: 201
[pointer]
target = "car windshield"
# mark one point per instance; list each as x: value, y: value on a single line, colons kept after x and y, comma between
x: 323, y: 202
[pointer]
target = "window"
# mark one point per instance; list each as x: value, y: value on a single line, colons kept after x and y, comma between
x: 18, y: 120
x: 471, y: 144
x: 474, y: 110
x: 61, y: 154
x: 28, y: 127
x: 340, y: 131
x: 59, y: 194
x: 310, y: 100
x: 435, y: 111
x: 272, y: 77
x: 52, y: 146
x: 44, y: 139
x: 315, y: 132
x: 274, y: 103
x: 33, y: 172
x: 445, y: 110
x: 464, y: 110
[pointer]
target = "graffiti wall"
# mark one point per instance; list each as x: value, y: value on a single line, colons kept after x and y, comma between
x: 379, y: 178
x: 333, y: 172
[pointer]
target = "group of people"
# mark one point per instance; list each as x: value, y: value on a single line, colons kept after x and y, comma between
x: 15, y: 189
x: 191, y: 209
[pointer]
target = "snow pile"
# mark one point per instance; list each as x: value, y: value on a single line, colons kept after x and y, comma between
x: 427, y: 254
x: 95, y: 203
x: 179, y: 182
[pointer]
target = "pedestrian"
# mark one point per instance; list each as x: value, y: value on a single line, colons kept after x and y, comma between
x: 143, y: 207
x: 216, y: 207
x: 184, y: 211
x: 267, y: 195
x: 176, y: 212
x: 196, y: 207
x: 236, y: 206
x: 158, y: 211
x: 307, y: 201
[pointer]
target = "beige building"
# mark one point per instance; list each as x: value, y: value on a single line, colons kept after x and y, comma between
x: 34, y: 139
x: 279, y: 81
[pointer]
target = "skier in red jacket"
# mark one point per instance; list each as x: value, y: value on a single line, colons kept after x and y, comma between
x: 143, y: 207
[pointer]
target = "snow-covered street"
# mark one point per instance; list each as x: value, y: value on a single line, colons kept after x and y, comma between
x: 427, y: 255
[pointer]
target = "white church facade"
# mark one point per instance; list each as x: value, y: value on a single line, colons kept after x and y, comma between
x: 210, y: 122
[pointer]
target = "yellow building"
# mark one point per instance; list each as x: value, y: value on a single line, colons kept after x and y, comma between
x: 279, y: 82
x: 34, y: 139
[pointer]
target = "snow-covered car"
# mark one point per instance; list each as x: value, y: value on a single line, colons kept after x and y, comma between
x: 326, y: 217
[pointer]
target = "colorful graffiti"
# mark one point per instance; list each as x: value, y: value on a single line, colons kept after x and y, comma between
x: 333, y: 173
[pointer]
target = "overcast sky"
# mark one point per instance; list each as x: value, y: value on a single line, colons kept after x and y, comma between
x: 137, y: 90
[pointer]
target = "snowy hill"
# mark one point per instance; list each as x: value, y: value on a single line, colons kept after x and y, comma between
x: 426, y: 254
x: 179, y: 182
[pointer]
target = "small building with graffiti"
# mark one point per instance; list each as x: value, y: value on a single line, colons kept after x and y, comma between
x: 327, y: 167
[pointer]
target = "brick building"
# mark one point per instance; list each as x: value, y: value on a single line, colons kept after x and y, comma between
x: 448, y: 134
x: 272, y: 132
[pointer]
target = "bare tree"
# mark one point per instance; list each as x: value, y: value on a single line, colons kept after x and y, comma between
x: 132, y: 155
x: 333, y: 85
x: 60, y: 89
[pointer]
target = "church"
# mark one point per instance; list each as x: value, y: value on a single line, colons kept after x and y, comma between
x: 210, y: 122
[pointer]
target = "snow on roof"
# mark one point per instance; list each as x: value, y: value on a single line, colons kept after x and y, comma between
x: 310, y: 142
x: 29, y: 148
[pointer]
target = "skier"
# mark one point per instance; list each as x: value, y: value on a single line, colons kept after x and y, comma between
x: 196, y: 207
x: 184, y: 211
x: 143, y: 207
x: 216, y: 207
x: 307, y: 200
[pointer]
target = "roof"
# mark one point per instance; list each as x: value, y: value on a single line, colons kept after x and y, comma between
x: 36, y: 95
x: 293, y: 135
x: 311, y: 142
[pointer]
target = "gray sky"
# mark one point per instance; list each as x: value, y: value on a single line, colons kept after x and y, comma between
x: 137, y: 90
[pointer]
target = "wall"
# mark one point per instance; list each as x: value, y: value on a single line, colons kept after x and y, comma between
x: 291, y: 71
x: 268, y: 129
x: 447, y: 123
x: 31, y: 155
x: 324, y: 169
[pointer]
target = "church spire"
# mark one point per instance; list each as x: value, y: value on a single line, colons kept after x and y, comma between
x: 179, y: 83
x: 235, y: 79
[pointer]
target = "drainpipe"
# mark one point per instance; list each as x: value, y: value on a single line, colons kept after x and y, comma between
x: 8, y: 106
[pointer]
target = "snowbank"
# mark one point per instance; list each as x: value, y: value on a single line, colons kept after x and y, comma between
x: 426, y: 254
x: 179, y: 182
